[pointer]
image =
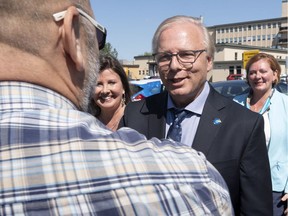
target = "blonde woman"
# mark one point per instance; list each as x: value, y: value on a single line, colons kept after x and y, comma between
x: 263, y: 73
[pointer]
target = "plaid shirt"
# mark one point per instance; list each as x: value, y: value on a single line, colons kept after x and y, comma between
x: 57, y: 160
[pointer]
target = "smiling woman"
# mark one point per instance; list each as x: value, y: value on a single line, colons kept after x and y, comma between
x: 112, y: 92
x: 263, y: 75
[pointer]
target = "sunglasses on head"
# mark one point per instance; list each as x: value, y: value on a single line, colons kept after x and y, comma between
x: 100, y: 30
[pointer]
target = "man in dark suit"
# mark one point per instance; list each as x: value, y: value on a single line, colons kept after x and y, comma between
x: 231, y: 137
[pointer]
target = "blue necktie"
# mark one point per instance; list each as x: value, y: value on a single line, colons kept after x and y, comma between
x: 175, y: 130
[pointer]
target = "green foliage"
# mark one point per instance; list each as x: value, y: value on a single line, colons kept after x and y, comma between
x: 108, y: 49
x: 147, y: 54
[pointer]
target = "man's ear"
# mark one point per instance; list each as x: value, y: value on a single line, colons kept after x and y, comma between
x: 71, y: 37
x: 210, y: 63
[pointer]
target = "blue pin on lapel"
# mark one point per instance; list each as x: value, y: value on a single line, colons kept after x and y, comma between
x: 217, y: 121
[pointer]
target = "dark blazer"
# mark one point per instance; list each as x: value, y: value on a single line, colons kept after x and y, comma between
x: 236, y: 146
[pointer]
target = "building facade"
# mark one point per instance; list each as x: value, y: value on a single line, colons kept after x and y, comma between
x: 228, y: 59
x: 232, y: 41
x: 262, y: 33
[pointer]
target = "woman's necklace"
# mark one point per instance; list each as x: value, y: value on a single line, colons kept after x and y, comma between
x: 257, y: 106
x: 260, y: 106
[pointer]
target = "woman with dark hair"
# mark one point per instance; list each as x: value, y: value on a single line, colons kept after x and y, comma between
x: 263, y: 73
x: 112, y: 92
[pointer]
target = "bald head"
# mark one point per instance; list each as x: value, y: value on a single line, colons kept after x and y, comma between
x: 60, y: 55
x: 27, y: 25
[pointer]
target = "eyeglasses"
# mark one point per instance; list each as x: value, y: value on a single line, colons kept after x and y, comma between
x: 185, y: 58
x: 100, y: 30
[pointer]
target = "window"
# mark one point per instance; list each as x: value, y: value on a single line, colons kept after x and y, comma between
x: 264, y: 26
x: 240, y: 28
x: 231, y: 29
x: 263, y: 37
x: 258, y: 37
x: 236, y: 55
x: 269, y: 25
x: 239, y: 39
x: 244, y: 39
x: 249, y: 27
x: 254, y: 38
x: 238, y: 69
x: 235, y: 39
x: 259, y: 26
x: 231, y: 69
x: 254, y: 27
x: 268, y: 37
x: 231, y: 40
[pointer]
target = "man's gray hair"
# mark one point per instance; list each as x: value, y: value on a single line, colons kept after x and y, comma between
x: 207, y: 40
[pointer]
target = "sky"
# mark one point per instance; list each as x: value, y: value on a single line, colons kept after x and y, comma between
x: 131, y: 23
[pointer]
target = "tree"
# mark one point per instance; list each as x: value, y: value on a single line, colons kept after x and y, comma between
x: 108, y: 49
x: 147, y: 54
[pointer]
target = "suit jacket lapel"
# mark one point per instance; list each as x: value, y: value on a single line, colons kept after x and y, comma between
x: 210, y: 122
x: 157, y: 108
